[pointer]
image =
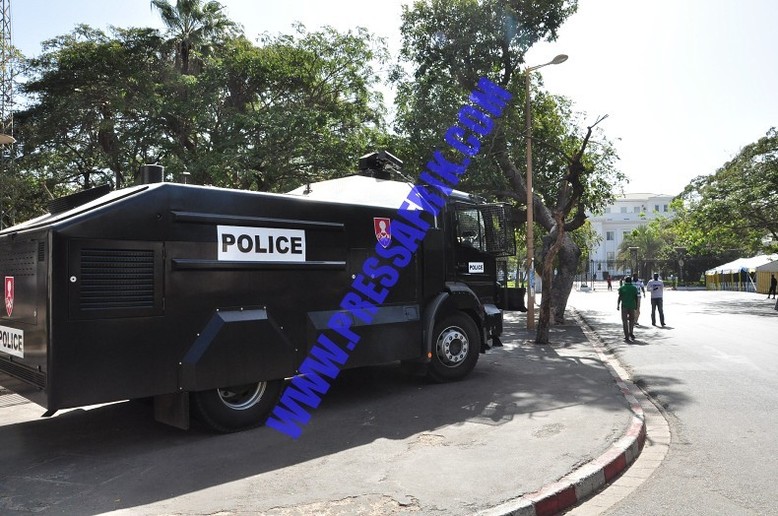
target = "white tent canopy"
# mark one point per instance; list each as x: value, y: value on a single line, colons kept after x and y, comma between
x: 768, y: 267
x: 748, y: 264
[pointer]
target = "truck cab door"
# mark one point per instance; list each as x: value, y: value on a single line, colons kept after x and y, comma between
x: 473, y: 264
x: 481, y: 235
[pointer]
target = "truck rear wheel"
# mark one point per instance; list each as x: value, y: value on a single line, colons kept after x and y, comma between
x: 456, y: 348
x: 240, y: 407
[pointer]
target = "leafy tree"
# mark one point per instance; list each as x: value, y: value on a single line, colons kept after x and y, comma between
x: 451, y: 44
x: 272, y: 116
x: 735, y: 207
x: 297, y: 108
x: 91, y: 108
x: 647, y: 239
x: 311, y: 110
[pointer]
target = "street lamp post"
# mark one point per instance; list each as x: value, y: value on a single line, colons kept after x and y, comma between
x: 681, y: 252
x: 594, y: 273
x: 561, y: 58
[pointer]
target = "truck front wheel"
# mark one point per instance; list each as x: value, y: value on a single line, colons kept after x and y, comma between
x: 235, y: 408
x: 456, y: 348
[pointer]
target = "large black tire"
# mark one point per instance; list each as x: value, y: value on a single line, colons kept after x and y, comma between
x: 455, y: 349
x: 236, y: 408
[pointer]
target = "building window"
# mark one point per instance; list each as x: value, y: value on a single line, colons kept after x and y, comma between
x: 623, y: 209
x: 656, y: 207
x: 611, y: 256
x: 636, y: 209
x: 609, y: 235
x: 607, y: 210
x: 664, y: 208
x: 624, y: 235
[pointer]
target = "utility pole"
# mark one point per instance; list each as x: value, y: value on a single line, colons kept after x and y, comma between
x: 6, y: 101
x: 6, y: 75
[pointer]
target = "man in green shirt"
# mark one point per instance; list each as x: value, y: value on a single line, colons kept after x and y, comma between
x: 628, y: 302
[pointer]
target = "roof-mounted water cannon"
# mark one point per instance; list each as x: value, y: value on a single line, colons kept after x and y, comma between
x: 379, y: 165
x: 151, y: 173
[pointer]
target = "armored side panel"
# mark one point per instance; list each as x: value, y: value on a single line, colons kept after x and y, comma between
x: 167, y: 288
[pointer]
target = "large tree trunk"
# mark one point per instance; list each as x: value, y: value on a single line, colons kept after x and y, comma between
x: 552, y: 243
x: 569, y: 256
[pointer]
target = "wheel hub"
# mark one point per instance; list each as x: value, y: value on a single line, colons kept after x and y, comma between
x: 242, y: 397
x: 452, y: 346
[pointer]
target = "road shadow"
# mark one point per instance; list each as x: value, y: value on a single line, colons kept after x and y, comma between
x: 667, y: 391
x: 116, y: 457
x: 757, y: 306
x: 612, y: 335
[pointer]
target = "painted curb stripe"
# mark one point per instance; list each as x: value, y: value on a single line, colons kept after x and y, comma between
x: 592, y: 476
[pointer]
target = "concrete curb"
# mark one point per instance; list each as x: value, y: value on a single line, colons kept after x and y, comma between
x: 591, y: 477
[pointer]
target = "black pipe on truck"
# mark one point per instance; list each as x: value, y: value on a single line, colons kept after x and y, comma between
x: 151, y: 174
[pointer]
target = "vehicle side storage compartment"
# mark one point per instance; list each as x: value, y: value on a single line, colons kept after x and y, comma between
x: 23, y: 333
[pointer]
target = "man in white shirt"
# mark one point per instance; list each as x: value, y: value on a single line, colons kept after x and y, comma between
x: 641, y: 293
x: 656, y: 287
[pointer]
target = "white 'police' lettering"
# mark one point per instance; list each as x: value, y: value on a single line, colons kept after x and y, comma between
x: 475, y: 267
x: 248, y: 244
x: 12, y: 341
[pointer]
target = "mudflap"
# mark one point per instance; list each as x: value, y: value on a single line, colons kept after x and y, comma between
x: 172, y: 409
x: 492, y: 327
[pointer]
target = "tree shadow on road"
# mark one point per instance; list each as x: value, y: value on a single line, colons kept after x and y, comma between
x: 116, y: 457
x: 667, y: 391
x: 757, y: 306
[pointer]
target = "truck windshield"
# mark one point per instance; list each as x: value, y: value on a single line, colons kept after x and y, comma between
x: 486, y: 229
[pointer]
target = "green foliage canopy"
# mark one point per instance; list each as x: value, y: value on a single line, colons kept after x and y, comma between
x: 734, y: 208
x: 269, y: 116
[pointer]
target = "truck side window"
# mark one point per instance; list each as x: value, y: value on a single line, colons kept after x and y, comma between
x: 470, y: 229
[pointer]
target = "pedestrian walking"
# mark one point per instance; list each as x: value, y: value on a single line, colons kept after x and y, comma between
x: 638, y: 283
x: 627, y: 302
x: 610, y: 285
x: 656, y: 287
x: 773, y: 284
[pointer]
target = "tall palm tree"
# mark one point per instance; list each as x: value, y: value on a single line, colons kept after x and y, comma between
x: 195, y: 26
x: 647, y: 239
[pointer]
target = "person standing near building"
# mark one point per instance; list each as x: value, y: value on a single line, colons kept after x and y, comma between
x: 773, y: 285
x: 627, y: 302
x: 656, y: 287
x: 638, y: 283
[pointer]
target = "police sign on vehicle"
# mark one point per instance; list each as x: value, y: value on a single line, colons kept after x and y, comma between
x: 253, y: 244
x: 12, y: 341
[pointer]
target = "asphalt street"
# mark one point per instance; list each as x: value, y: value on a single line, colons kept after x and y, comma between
x: 386, y: 443
x: 714, y: 370
x: 380, y: 443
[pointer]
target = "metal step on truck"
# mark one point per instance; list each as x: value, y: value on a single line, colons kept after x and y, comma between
x: 209, y: 299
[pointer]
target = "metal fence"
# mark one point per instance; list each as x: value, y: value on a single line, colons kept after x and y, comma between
x: 687, y: 271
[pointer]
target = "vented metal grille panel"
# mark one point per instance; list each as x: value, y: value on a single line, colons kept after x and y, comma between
x: 114, y: 279
x: 18, y: 261
x: 23, y: 373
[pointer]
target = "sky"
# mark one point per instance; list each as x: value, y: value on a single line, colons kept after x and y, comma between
x: 685, y: 83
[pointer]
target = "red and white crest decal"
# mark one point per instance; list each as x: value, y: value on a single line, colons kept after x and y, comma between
x: 383, y: 230
x: 8, y: 288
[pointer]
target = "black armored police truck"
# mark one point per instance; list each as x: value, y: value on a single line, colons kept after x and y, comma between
x: 210, y: 298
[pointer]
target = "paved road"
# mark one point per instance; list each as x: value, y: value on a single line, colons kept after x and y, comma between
x: 381, y: 443
x: 714, y: 369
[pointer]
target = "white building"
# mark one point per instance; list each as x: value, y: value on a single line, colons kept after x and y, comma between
x: 626, y: 214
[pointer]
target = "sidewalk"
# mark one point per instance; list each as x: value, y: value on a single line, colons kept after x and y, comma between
x: 533, y: 430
